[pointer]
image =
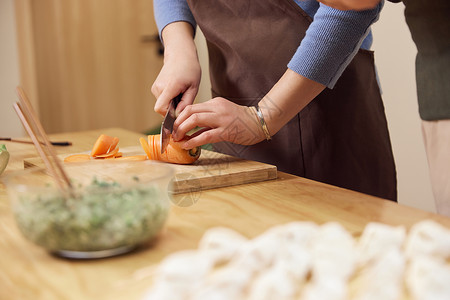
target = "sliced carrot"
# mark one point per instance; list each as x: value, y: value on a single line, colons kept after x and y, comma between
x: 104, y: 144
x: 132, y: 157
x: 114, y: 144
x: 155, y: 146
x: 77, y: 158
x: 174, y: 153
x: 109, y: 154
x: 118, y: 154
x: 146, y: 147
x: 151, y: 146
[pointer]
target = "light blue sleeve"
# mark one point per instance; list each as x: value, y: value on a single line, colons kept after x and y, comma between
x: 331, y: 42
x: 169, y: 11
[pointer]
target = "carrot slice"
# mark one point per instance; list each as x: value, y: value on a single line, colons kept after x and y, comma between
x: 152, y: 143
x: 114, y: 144
x: 146, y: 147
x: 118, y: 154
x: 77, y: 158
x: 132, y: 157
x: 104, y: 144
x: 157, y: 145
x: 109, y: 154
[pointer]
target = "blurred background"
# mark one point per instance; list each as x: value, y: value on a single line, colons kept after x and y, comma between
x: 90, y: 64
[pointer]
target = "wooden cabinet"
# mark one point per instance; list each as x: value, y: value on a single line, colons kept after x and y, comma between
x: 89, y: 64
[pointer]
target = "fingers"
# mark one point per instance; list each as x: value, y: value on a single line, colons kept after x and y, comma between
x: 208, y: 136
x: 202, y: 119
x: 189, y: 110
x: 171, y: 82
x: 223, y: 120
x: 162, y: 102
x: 187, y: 99
x: 168, y: 93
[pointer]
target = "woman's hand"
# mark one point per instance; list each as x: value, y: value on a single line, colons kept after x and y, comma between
x: 181, y: 72
x: 222, y: 120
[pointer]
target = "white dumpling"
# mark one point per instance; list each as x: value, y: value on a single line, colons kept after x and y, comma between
x: 383, y: 277
x: 229, y: 282
x: 326, y: 288
x: 333, y: 252
x: 163, y: 290
x: 182, y: 271
x: 259, y: 253
x: 378, y: 238
x: 299, y: 232
x: 274, y: 283
x: 428, y: 278
x: 294, y: 249
x: 221, y: 243
x: 428, y: 238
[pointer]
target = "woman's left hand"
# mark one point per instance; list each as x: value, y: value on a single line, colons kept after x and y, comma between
x: 222, y: 120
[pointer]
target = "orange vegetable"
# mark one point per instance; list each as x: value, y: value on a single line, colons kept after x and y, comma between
x: 173, y: 153
x: 132, y: 157
x: 109, y: 154
x: 146, y: 148
x: 77, y: 158
x: 104, y: 145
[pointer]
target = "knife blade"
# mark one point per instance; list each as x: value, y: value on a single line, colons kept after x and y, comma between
x: 167, y: 124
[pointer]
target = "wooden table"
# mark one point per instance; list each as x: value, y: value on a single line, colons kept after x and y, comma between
x: 28, y: 272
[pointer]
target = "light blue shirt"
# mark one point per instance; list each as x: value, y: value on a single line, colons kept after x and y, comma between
x: 332, y: 40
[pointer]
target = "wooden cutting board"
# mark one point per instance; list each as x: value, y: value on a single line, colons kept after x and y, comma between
x: 211, y: 170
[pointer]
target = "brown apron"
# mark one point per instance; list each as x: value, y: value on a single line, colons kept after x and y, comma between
x: 340, y: 138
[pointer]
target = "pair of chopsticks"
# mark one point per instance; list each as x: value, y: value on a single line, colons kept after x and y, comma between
x: 34, y: 128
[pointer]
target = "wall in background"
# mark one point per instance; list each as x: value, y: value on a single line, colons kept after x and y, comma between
x: 10, y: 125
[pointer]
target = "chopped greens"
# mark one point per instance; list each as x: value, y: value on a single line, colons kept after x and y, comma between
x: 4, y: 158
x: 103, y: 216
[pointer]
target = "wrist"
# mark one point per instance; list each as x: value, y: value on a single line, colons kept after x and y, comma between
x: 178, y: 40
x: 269, y: 114
x: 262, y: 123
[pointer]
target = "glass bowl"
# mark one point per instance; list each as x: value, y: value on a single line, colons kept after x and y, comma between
x: 112, y: 208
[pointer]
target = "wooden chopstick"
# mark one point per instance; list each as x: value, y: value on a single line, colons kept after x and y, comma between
x: 38, y: 146
x: 8, y: 139
x: 35, y: 129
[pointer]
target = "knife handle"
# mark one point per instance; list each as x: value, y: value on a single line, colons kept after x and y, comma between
x: 176, y: 100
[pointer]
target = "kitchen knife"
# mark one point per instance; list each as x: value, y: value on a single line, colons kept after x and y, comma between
x: 167, y: 124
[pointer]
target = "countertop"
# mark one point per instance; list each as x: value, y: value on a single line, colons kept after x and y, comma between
x: 29, y: 272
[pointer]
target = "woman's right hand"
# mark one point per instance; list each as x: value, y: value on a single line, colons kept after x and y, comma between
x: 181, y: 72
